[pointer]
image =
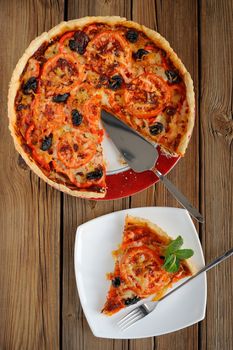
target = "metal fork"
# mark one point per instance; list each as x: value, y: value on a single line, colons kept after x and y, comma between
x: 146, y: 308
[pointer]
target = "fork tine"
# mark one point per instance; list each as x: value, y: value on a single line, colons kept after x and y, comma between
x: 129, y: 316
x: 132, y: 321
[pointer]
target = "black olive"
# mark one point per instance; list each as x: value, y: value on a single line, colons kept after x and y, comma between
x: 156, y: 129
x: 95, y: 175
x: 79, y: 43
x: 76, y: 117
x: 170, y: 110
x: 172, y: 76
x: 131, y: 301
x: 47, y: 142
x: 116, y: 282
x: 81, y: 38
x: 60, y: 98
x: 73, y: 45
x: 30, y: 86
x: 132, y: 35
x: 81, y: 50
x: 21, y: 106
x: 139, y: 54
x: 115, y: 82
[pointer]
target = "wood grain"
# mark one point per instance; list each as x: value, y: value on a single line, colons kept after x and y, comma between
x: 178, y: 22
x: 76, y: 332
x: 145, y: 15
x: 29, y: 210
x: 39, y: 303
x: 216, y: 170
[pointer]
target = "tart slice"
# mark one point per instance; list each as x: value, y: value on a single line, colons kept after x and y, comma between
x: 147, y: 263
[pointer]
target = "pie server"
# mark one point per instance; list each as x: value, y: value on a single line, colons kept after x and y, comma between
x: 141, y: 155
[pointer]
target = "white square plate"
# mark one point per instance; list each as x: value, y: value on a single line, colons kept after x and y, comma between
x: 94, y: 243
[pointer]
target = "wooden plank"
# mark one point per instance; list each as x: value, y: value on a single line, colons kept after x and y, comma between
x: 144, y: 13
x: 76, y: 332
x: 72, y: 336
x: 29, y: 210
x: 216, y: 169
x: 177, y: 21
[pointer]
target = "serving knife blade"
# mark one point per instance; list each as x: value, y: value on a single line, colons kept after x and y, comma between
x: 131, y: 145
x: 133, y: 148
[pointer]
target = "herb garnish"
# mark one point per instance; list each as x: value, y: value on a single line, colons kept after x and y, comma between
x: 173, y: 255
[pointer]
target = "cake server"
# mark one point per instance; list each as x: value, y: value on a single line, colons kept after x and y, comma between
x: 141, y: 155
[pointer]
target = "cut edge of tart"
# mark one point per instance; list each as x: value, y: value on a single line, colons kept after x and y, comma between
x: 77, y: 24
x: 139, y: 270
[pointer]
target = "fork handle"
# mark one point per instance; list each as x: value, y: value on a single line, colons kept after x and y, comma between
x: 179, y: 196
x: 207, y: 267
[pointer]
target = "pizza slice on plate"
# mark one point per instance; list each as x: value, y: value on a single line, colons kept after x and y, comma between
x: 147, y: 263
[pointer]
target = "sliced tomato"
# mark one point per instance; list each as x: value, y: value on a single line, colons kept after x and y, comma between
x: 32, y: 137
x: 149, y: 48
x: 147, y: 96
x: 28, y: 135
x: 90, y: 28
x: 101, y: 134
x: 142, y: 268
x: 177, y: 93
x: 133, y: 234
x: 94, y: 28
x: 75, y: 149
x: 62, y: 41
x: 101, y: 40
x: 48, y: 114
x: 41, y: 160
x: 61, y: 73
x: 91, y: 110
x: 66, y: 36
x: 107, y: 51
x: 115, y: 99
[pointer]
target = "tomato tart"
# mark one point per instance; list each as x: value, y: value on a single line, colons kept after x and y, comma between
x: 68, y: 74
x: 143, y: 265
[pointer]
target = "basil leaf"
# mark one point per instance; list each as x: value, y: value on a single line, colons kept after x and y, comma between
x: 175, y: 267
x: 169, y: 260
x: 171, y: 263
x: 174, y: 245
x: 184, y: 253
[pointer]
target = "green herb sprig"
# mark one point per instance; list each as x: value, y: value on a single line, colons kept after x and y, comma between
x: 173, y: 255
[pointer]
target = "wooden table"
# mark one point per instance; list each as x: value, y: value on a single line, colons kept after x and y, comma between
x: 39, y: 303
